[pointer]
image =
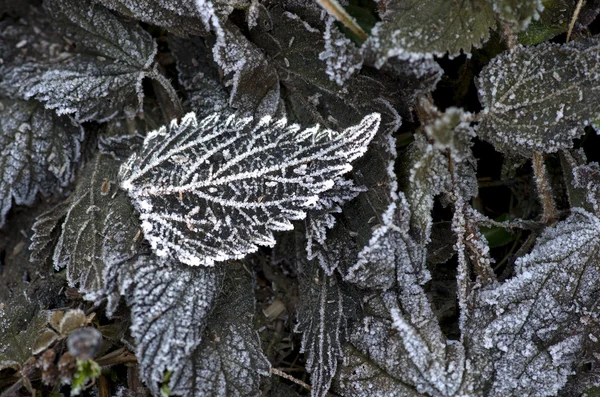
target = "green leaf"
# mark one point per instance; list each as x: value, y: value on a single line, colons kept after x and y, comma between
x: 86, y: 373
x: 537, y: 99
x: 39, y: 150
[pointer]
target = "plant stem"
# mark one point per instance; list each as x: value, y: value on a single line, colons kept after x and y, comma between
x: 337, y: 11
x: 290, y: 378
x: 544, y: 188
x: 574, y: 19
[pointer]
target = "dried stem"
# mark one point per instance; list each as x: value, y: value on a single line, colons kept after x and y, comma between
x: 574, y: 19
x: 337, y: 11
x: 544, y: 188
x: 290, y: 378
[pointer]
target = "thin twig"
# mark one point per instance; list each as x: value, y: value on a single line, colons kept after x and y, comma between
x: 574, y: 19
x: 290, y: 378
x: 544, y: 188
x: 337, y: 11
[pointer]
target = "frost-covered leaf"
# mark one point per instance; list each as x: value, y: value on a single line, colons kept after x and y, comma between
x: 215, y: 189
x: 169, y: 304
x: 100, y: 230
x: 541, y: 313
x: 325, y: 307
x: 39, y: 150
x: 180, y: 17
x: 199, y: 76
x: 96, y: 85
x: 229, y: 360
x: 416, y: 29
x: 94, y: 29
x: 537, y: 99
x: 254, y: 83
x: 342, y: 57
x: 20, y: 327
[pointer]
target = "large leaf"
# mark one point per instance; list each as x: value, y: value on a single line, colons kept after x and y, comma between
x: 39, y: 150
x: 215, y: 189
x: 101, y: 228
x: 537, y: 99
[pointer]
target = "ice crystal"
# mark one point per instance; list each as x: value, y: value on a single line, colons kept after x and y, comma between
x: 215, y: 189
x: 39, y: 150
x: 538, y: 99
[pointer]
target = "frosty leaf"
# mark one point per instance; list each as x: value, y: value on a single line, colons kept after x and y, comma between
x: 538, y: 99
x: 101, y: 229
x: 341, y: 56
x: 86, y: 87
x: 199, y: 76
x: 229, y: 360
x: 540, y: 324
x: 213, y: 189
x: 95, y: 29
x: 180, y: 17
x: 255, y: 84
x: 390, y: 247
x: 413, y: 29
x: 170, y: 304
x: 517, y: 13
x: 38, y: 152
x: 322, y: 316
x: 46, y: 231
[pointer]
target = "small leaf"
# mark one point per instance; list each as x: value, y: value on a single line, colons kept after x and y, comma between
x: 343, y: 59
x: 213, y: 190
x: 46, y: 231
x: 538, y: 99
x: 517, y: 13
x: 39, y: 150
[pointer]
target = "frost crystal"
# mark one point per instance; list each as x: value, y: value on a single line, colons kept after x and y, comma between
x: 215, y: 189
x: 538, y: 99
x: 39, y: 150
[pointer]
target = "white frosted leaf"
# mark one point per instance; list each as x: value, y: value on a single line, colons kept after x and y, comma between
x: 540, y: 324
x: 588, y: 177
x: 518, y: 13
x: 46, y: 231
x: 100, y: 230
x: 229, y: 361
x: 216, y: 189
x: 537, y: 99
x: 170, y: 304
x: 39, y: 150
x: 416, y: 28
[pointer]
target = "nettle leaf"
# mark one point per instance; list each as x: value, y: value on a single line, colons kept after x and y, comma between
x: 20, y: 327
x: 229, y: 361
x: 416, y: 29
x: 342, y: 57
x: 89, y: 87
x: 170, y: 304
x: 180, y: 17
x: 46, y: 231
x: 588, y: 177
x: 540, y: 323
x: 214, y: 189
x: 39, y: 149
x: 199, y: 76
x: 537, y: 99
x: 101, y: 228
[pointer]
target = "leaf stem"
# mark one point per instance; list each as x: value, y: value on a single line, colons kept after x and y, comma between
x: 290, y: 378
x: 337, y: 11
x: 166, y: 95
x: 542, y: 182
x: 574, y: 19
